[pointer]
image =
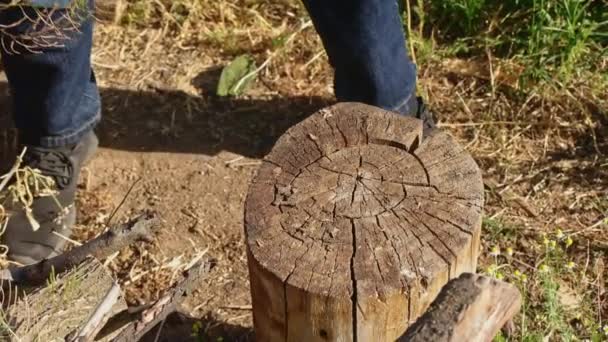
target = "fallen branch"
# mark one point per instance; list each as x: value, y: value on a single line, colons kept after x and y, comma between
x: 166, y: 305
x: 101, y: 247
x: 100, y: 316
x: 469, y: 308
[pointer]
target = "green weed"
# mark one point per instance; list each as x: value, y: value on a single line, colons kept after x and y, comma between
x: 551, y: 308
x: 495, y: 230
x: 137, y: 12
x: 557, y: 41
x: 468, y: 14
x: 199, y: 335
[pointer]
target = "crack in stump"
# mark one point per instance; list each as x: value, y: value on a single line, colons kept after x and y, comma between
x: 355, y: 303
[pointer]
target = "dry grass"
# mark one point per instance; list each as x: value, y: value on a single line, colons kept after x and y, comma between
x: 52, y: 27
x: 19, y: 187
x: 58, y: 309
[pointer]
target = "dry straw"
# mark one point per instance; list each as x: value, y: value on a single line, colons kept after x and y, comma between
x: 18, y: 189
x: 35, y: 28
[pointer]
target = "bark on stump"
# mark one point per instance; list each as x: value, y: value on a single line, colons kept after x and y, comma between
x: 354, y: 223
x: 469, y: 308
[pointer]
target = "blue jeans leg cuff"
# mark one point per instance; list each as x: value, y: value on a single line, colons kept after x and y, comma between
x: 88, y: 115
x: 71, y: 138
x: 408, y: 106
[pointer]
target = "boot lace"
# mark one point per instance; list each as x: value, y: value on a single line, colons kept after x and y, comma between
x: 52, y: 163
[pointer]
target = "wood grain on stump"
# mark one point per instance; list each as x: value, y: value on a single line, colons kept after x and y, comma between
x: 354, y: 223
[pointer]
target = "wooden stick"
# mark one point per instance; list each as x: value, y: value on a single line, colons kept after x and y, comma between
x: 102, y: 246
x: 166, y: 305
x: 100, y: 316
x: 469, y: 308
x: 511, y: 196
x: 7, y: 177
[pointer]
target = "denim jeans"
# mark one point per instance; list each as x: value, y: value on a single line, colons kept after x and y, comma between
x: 56, y: 100
x: 366, y: 46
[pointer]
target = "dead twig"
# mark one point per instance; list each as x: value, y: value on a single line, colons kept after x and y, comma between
x: 238, y: 307
x: 7, y: 177
x: 511, y: 196
x: 603, y: 221
x: 100, y: 316
x: 124, y: 199
x: 166, y: 305
x: 101, y: 247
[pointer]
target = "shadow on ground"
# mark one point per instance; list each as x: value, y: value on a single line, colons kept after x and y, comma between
x: 584, y: 163
x: 179, y: 327
x: 160, y: 120
x: 169, y: 121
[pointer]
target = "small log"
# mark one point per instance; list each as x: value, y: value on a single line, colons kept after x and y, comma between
x: 100, y: 316
x: 57, y: 310
x: 158, y: 312
x: 101, y: 247
x: 354, y: 223
x: 469, y: 308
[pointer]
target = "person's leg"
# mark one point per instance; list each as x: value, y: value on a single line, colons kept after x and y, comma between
x: 56, y: 105
x: 365, y: 42
x: 55, y: 97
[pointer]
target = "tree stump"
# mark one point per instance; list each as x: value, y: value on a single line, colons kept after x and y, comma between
x: 354, y: 223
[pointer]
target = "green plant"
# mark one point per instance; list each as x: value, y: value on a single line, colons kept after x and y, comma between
x: 554, y: 315
x: 137, y: 12
x: 561, y: 35
x: 497, y: 230
x: 556, y: 40
x: 544, y: 289
x: 199, y: 335
x: 467, y: 15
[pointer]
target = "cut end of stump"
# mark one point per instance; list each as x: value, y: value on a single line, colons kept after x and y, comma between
x: 353, y: 220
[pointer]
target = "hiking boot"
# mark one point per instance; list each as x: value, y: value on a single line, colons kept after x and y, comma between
x: 423, y: 113
x: 56, y: 214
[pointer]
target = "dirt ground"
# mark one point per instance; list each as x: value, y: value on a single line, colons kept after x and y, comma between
x: 189, y: 155
x: 196, y: 178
